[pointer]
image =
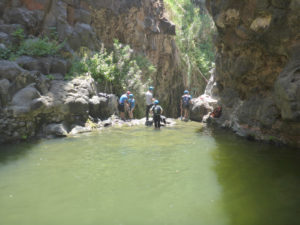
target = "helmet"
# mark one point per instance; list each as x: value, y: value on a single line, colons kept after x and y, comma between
x: 186, y: 92
x: 130, y: 95
x: 156, y: 102
x: 151, y: 88
x: 128, y: 92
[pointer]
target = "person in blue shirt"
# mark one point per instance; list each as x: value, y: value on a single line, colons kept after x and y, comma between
x: 123, y: 103
x: 131, y: 103
x: 185, y: 104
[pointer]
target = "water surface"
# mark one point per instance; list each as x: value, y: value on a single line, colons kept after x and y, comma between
x: 136, y: 176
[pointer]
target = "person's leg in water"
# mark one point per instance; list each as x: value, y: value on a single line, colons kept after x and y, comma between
x: 157, y: 121
x: 186, y: 112
x: 147, y: 112
x: 148, y: 107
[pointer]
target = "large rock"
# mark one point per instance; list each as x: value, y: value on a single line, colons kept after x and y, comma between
x: 35, y: 64
x: 29, y: 19
x: 201, y: 107
x: 22, y: 100
x: 57, y: 130
x: 257, y: 61
x: 109, y: 106
x: 10, y: 70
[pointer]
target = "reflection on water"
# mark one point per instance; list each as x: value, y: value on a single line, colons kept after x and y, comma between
x: 140, y: 176
x: 260, y: 182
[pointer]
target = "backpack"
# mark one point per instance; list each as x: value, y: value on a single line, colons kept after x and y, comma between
x: 157, y: 110
x: 185, y: 100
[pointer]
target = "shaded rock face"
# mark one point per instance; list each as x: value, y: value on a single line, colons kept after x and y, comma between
x: 88, y: 23
x: 143, y: 26
x: 33, y: 92
x: 258, y: 67
x: 29, y: 102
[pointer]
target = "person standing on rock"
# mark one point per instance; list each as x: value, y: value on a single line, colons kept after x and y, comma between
x: 131, y: 103
x: 185, y: 104
x: 149, y: 102
x: 123, y: 104
x: 157, y: 111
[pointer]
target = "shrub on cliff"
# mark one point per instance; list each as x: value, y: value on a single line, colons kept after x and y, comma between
x: 116, y: 70
x: 38, y: 46
x: 195, y: 30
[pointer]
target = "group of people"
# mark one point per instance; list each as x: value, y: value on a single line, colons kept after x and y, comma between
x: 127, y: 104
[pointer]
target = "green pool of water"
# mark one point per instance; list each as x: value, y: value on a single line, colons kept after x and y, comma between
x: 137, y: 176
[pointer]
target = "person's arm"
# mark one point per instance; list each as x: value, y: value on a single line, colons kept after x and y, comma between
x: 151, y: 110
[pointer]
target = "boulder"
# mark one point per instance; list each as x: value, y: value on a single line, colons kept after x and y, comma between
x: 94, y: 105
x: 201, y: 107
x: 77, y: 105
x: 4, y: 87
x: 56, y: 129
x: 85, y: 35
x: 80, y: 129
x: 29, y: 19
x: 10, y: 70
x: 25, y: 96
x: 42, y: 64
x: 109, y: 106
x: 59, y: 65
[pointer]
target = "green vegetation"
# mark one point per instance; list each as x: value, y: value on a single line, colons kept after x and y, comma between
x: 195, y: 30
x: 50, y: 76
x: 41, y: 46
x: 116, y: 70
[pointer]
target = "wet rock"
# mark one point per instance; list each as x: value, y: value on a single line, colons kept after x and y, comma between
x: 56, y: 130
x: 201, y: 107
x: 79, y: 130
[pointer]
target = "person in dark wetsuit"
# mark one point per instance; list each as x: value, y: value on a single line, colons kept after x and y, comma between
x: 157, y: 111
x: 185, y: 104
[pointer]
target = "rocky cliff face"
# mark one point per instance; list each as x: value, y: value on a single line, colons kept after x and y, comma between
x: 258, y: 67
x: 30, y: 99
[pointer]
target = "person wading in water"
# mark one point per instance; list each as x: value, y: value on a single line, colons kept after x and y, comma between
x: 157, y: 111
x: 185, y: 104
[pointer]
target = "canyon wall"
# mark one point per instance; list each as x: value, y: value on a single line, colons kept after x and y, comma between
x: 33, y: 91
x: 258, y: 67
